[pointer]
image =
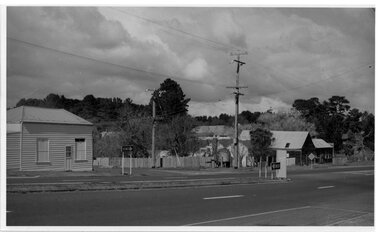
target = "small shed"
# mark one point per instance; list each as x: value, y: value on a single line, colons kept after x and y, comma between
x: 298, y: 144
x: 224, y: 157
x: 323, y: 150
x: 44, y: 139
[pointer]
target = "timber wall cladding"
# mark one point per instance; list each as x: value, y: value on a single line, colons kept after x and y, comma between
x: 13, y: 150
x: 60, y: 136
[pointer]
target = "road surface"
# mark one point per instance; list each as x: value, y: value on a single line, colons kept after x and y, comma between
x: 314, y: 198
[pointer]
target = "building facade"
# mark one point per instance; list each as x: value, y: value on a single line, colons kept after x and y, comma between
x: 41, y: 139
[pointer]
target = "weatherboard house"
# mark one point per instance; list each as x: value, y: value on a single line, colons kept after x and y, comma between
x: 298, y: 145
x: 42, y: 139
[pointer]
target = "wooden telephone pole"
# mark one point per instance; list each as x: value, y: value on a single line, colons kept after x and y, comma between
x: 237, y: 94
x: 153, y: 127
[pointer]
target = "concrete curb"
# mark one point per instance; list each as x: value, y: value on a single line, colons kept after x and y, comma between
x: 130, y: 185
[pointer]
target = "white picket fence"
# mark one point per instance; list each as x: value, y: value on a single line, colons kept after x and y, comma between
x: 167, y: 162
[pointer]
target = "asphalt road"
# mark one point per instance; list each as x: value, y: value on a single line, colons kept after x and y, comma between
x: 336, y: 197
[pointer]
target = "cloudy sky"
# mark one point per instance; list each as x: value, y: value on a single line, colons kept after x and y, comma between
x: 119, y: 52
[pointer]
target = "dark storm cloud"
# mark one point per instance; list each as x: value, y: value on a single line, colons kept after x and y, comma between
x: 292, y: 53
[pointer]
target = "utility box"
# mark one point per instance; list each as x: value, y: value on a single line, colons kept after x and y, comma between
x: 281, y: 159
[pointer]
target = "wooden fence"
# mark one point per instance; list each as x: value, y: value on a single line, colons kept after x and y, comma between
x: 167, y: 162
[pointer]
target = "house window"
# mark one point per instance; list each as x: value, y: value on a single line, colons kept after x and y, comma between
x: 287, y: 145
x: 80, y: 149
x: 42, y: 150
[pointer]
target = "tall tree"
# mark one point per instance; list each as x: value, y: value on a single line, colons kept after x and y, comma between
x: 332, y: 118
x: 53, y: 101
x: 368, y: 126
x: 337, y: 105
x: 30, y: 102
x: 354, y: 144
x: 309, y: 109
x: 249, y: 116
x: 177, y: 136
x: 170, y: 99
x: 353, y: 120
x: 337, y: 108
x: 89, y: 106
x: 225, y: 118
x: 261, y: 139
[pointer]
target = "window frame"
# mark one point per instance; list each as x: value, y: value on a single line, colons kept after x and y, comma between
x: 38, y: 161
x: 76, y: 150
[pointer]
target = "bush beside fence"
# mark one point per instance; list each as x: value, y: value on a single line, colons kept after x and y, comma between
x: 339, y: 160
x: 102, y: 162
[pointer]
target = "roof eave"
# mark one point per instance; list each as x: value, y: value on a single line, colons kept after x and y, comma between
x: 65, y: 123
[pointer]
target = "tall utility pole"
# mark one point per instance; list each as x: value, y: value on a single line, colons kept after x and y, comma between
x: 237, y: 94
x: 153, y: 128
x: 153, y: 134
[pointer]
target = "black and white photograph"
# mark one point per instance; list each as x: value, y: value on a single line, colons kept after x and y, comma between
x: 213, y: 117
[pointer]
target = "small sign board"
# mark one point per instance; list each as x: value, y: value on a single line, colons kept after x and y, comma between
x: 276, y: 166
x: 311, y: 156
x: 126, y: 148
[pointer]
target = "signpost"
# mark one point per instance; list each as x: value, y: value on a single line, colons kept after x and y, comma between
x: 276, y: 166
x: 311, y: 157
x: 127, y: 149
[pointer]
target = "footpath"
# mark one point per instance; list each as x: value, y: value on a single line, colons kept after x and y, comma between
x: 111, y: 179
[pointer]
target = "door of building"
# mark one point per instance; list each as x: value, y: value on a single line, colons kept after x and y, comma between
x: 69, y: 158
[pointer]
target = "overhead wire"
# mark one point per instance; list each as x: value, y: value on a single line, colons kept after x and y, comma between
x: 110, y: 63
x: 176, y: 29
x: 319, y: 81
x: 175, y: 77
x: 167, y: 75
x: 228, y: 46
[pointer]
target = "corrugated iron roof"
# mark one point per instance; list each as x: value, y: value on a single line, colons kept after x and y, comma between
x: 220, y: 130
x: 294, y: 139
x: 289, y: 139
x: 43, y: 115
x: 320, y: 143
x: 245, y: 135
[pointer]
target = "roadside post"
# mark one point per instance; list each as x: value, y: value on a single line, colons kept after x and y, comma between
x: 280, y: 165
x: 311, y: 157
x: 122, y: 162
x: 275, y: 166
x: 127, y: 149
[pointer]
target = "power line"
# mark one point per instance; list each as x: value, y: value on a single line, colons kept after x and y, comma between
x: 178, y: 30
x: 166, y: 75
x: 275, y: 70
x: 224, y: 45
x: 317, y: 82
x: 109, y: 63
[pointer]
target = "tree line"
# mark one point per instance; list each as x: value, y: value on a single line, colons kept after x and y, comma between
x: 335, y: 121
x: 119, y: 122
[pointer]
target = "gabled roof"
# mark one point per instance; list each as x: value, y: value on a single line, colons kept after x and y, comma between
x: 245, y: 135
x: 214, y: 130
x: 292, y: 140
x: 320, y: 143
x: 296, y: 139
x: 43, y: 115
